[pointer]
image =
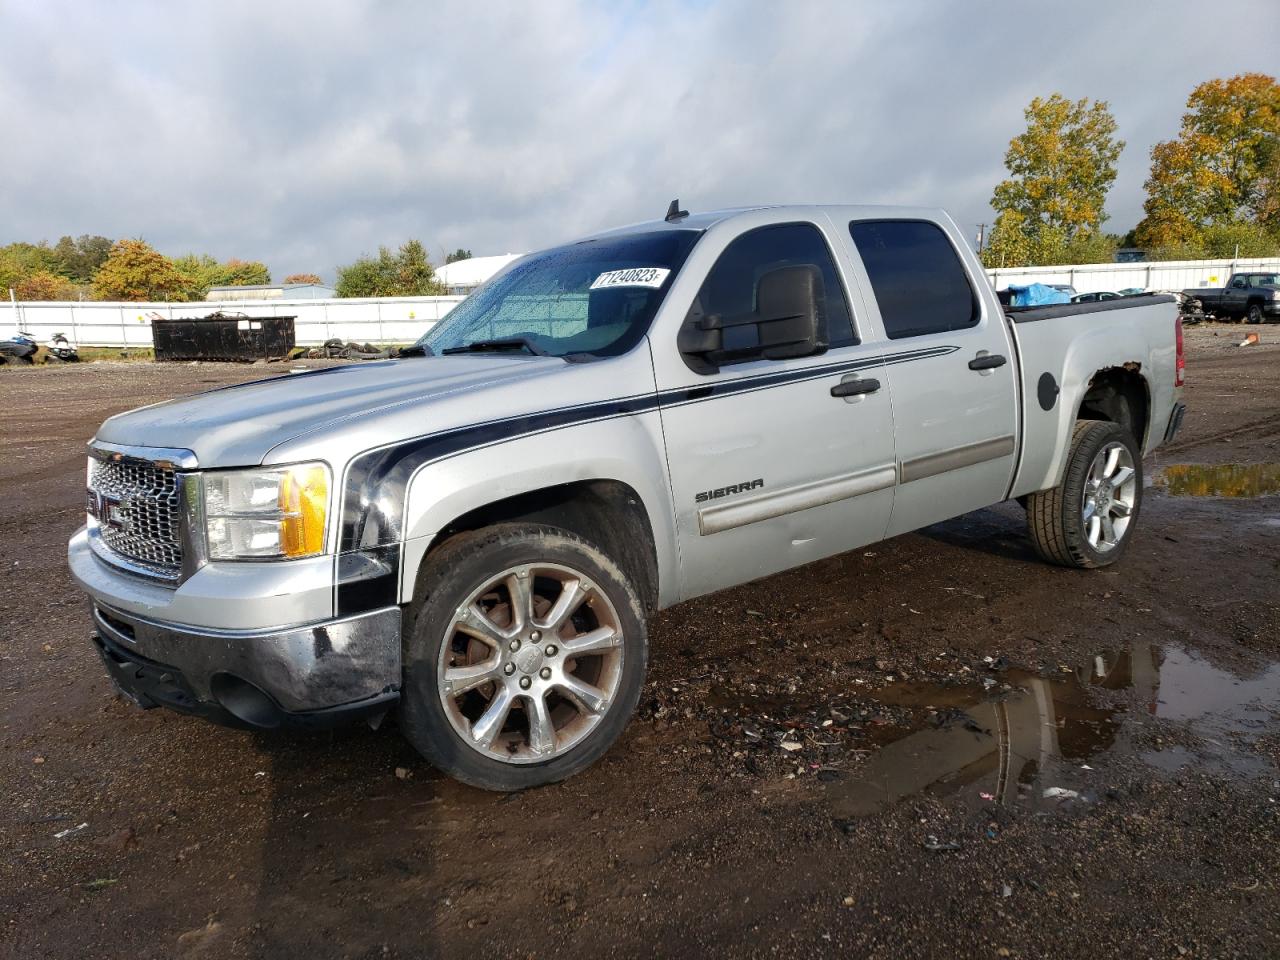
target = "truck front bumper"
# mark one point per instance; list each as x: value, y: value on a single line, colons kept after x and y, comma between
x: 201, y: 647
x: 315, y: 676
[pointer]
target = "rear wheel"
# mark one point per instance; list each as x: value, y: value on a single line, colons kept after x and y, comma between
x: 524, y: 659
x: 1255, y: 313
x: 1088, y: 519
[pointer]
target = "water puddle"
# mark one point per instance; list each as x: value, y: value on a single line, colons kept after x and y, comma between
x: 1220, y: 480
x: 1033, y: 745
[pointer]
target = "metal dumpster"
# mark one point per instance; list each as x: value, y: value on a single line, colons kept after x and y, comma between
x: 223, y: 336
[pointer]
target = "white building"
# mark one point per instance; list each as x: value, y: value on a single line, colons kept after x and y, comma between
x: 463, y: 276
x: 272, y: 291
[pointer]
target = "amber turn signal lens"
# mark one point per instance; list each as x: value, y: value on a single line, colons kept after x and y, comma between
x: 304, y: 497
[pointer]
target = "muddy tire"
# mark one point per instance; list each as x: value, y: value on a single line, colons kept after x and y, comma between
x: 1255, y: 313
x: 524, y: 656
x: 1088, y: 520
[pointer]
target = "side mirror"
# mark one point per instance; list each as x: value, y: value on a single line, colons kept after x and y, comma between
x: 788, y: 318
x: 789, y: 303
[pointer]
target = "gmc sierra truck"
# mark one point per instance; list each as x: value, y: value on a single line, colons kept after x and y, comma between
x: 475, y: 534
x: 1253, y: 296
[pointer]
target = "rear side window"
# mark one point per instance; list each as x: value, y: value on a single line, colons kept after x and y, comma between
x: 919, y: 282
x: 730, y: 287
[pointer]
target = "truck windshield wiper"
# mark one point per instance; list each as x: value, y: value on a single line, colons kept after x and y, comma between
x: 417, y: 350
x: 498, y: 346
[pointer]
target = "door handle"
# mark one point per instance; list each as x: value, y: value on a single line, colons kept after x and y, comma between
x: 853, y: 388
x: 987, y: 361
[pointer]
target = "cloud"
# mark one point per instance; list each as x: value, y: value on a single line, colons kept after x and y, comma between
x: 304, y: 134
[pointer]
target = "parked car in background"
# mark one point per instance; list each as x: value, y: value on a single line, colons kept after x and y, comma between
x: 1098, y: 297
x: 1252, y: 296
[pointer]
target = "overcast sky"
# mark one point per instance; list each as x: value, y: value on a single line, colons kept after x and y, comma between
x: 304, y: 134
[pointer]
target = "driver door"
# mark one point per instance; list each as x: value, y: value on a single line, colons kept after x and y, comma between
x: 768, y: 469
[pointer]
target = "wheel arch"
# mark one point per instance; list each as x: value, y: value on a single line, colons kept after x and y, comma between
x: 607, y: 512
x: 1120, y: 395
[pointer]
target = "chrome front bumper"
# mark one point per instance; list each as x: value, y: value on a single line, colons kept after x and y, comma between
x: 302, y: 676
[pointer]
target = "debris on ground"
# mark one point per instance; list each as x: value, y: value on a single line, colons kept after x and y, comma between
x: 933, y: 843
x: 63, y: 834
x: 1061, y: 793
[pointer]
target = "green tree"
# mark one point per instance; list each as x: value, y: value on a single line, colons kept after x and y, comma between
x: 1060, y: 171
x: 457, y: 255
x: 135, y: 271
x: 79, y: 259
x: 243, y: 273
x: 303, y: 278
x: 405, y: 273
x: 1222, y: 169
x: 201, y: 271
x: 19, y: 260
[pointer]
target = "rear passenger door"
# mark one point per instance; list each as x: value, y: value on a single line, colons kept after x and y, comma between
x: 950, y: 371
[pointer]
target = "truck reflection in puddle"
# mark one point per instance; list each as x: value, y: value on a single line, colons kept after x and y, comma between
x: 1039, y: 735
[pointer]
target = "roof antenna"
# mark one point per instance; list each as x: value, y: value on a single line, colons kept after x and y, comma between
x: 674, y: 213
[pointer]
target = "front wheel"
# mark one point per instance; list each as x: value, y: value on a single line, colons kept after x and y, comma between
x: 524, y: 658
x: 1255, y: 313
x: 1088, y: 519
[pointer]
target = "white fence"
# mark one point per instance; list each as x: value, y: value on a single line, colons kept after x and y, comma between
x: 404, y: 319
x: 1161, y: 275
x: 372, y: 320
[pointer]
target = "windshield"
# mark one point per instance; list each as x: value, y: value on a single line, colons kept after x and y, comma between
x: 590, y: 299
x: 1264, y: 279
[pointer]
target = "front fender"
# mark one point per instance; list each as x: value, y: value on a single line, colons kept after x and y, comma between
x: 627, y: 449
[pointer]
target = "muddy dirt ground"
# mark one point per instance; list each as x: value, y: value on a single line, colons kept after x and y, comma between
x: 934, y: 747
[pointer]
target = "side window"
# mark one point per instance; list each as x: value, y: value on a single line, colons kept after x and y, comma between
x: 730, y: 287
x: 1240, y: 282
x: 919, y: 282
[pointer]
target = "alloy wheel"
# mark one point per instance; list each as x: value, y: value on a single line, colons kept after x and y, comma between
x: 531, y: 663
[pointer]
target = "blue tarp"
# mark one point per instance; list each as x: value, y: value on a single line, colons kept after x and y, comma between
x: 1035, y: 295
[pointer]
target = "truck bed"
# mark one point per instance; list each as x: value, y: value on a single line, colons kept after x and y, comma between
x: 1062, y: 347
x: 1055, y: 310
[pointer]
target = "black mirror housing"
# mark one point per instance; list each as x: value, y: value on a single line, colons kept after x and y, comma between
x: 789, y: 319
x: 789, y: 304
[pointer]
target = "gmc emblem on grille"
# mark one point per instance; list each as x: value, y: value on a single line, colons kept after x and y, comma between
x: 109, y: 511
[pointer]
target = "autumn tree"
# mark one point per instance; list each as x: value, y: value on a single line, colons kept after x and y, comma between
x: 1050, y: 207
x: 1222, y: 169
x: 404, y: 273
x: 303, y: 278
x: 44, y: 285
x: 135, y: 271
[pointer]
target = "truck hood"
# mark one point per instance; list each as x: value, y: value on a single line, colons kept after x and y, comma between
x: 239, y: 425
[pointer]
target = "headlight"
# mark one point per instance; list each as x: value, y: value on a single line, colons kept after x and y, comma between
x: 266, y: 514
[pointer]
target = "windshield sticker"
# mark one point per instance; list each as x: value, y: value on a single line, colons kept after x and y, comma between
x: 633, y: 277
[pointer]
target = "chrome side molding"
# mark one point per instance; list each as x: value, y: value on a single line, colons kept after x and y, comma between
x: 765, y: 506
x: 957, y: 457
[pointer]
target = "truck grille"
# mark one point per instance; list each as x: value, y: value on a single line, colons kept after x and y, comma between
x: 136, y: 505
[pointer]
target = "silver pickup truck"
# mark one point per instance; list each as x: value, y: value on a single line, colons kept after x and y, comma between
x: 475, y: 534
